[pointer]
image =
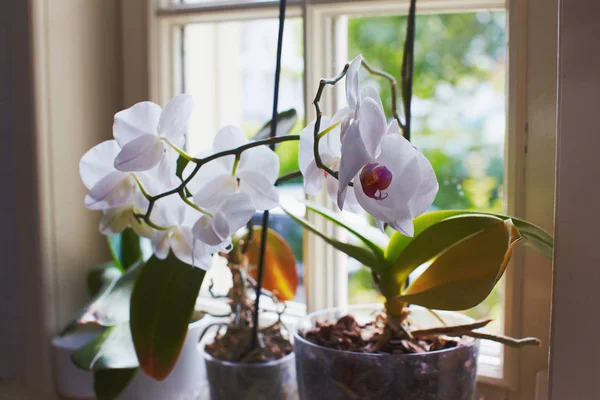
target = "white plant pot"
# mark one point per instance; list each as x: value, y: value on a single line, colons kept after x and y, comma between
x: 187, y: 381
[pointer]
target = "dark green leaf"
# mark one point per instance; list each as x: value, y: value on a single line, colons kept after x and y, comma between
x: 125, y: 248
x: 373, y: 238
x: 162, y: 304
x: 181, y: 164
x: 100, y: 277
x: 108, y: 384
x: 285, y: 123
x: 364, y: 256
x: 113, y: 349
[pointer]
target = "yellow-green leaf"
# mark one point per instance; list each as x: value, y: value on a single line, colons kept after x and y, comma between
x: 435, y: 239
x: 463, y: 275
x: 280, y: 272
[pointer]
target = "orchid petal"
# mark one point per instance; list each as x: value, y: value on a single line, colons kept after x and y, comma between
x: 114, y: 190
x: 354, y: 157
x: 215, y: 191
x: 138, y: 120
x: 313, y: 179
x: 185, y: 249
x: 306, y: 151
x: 404, y: 226
x: 140, y: 154
x: 238, y: 209
x: 229, y: 138
x: 261, y: 160
x: 211, y: 230
x: 98, y: 162
x: 427, y: 189
x: 175, y: 117
x: 393, y: 128
x: 352, y: 82
x: 161, y: 244
x: 372, y: 125
x: 207, y: 172
x: 260, y: 189
x: 115, y: 220
x: 371, y: 93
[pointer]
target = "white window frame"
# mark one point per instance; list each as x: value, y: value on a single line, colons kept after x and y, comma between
x: 530, y: 145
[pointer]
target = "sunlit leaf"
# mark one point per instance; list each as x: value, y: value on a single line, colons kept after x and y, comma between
x: 280, y: 275
x: 113, y: 349
x: 363, y: 255
x: 435, y: 239
x: 535, y: 237
x: 463, y: 275
x: 108, y: 384
x: 285, y: 122
x: 162, y: 304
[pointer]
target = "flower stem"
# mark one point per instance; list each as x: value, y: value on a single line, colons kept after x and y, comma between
x: 182, y: 153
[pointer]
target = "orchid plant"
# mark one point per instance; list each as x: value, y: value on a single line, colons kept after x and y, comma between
x: 189, y: 207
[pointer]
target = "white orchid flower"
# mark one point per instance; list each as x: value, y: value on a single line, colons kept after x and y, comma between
x: 178, y: 218
x: 254, y: 174
x: 110, y: 188
x: 395, y: 182
x: 116, y: 220
x: 141, y: 132
x: 330, y: 153
x: 225, y: 219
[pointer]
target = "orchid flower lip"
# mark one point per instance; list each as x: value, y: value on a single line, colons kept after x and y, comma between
x: 374, y: 179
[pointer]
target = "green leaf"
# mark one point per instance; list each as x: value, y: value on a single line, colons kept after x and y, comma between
x: 125, y: 248
x: 535, y: 237
x: 463, y: 275
x: 111, y: 304
x: 113, y: 349
x: 181, y: 164
x: 162, y: 303
x: 337, y: 219
x: 285, y: 123
x: 364, y: 256
x: 108, y: 384
x: 436, y: 239
x: 102, y: 276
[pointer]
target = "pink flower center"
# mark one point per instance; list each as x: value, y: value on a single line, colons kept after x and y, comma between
x: 375, y: 178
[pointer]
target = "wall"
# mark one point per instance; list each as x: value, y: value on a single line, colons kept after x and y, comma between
x: 63, y: 71
x: 575, y: 352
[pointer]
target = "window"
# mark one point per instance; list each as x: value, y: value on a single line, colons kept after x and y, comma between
x: 471, y: 115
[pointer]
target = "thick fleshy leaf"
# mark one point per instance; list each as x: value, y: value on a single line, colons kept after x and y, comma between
x: 113, y: 349
x: 162, y: 304
x: 280, y: 272
x: 108, y: 384
x: 465, y: 274
x: 372, y: 238
x: 535, y: 237
x: 141, y: 154
x: 285, y: 122
x: 125, y: 248
x: 98, y: 278
x: 435, y: 240
x: 111, y: 305
x: 140, y: 119
x: 365, y: 256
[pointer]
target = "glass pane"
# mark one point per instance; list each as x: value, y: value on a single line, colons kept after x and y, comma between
x: 229, y: 69
x: 458, y: 112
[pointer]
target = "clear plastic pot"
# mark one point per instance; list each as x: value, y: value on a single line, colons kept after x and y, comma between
x: 330, y: 374
x: 275, y: 380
